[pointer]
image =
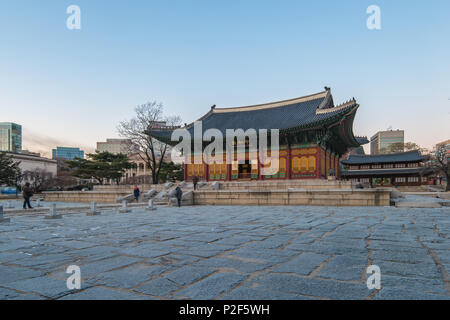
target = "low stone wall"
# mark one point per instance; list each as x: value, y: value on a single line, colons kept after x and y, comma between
x: 332, y: 197
x: 423, y: 188
x: 84, y: 196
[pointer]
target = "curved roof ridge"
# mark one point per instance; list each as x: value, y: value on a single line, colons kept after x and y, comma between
x: 408, y: 156
x: 337, y: 108
x: 270, y: 105
x: 385, y: 154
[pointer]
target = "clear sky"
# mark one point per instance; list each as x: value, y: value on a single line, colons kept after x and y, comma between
x: 72, y: 87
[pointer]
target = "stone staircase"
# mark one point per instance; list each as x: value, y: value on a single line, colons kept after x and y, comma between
x: 165, y: 195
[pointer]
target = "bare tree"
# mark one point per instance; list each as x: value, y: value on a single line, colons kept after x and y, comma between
x: 442, y: 157
x: 151, y: 151
x: 40, y: 179
x: 402, y: 147
x: 65, y: 180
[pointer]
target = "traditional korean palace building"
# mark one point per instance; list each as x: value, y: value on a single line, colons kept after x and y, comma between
x: 314, y: 134
x: 397, y: 169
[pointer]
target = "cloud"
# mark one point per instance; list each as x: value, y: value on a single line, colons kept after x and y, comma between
x: 36, y: 142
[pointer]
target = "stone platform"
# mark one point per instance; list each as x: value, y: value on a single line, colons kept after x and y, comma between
x: 289, y: 192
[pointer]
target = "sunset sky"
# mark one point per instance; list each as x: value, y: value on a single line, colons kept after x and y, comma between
x: 72, y: 87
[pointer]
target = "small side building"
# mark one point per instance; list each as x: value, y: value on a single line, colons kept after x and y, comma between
x: 396, y: 169
x: 30, y: 165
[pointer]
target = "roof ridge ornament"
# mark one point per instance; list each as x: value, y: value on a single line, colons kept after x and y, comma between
x: 327, y: 103
x: 344, y: 105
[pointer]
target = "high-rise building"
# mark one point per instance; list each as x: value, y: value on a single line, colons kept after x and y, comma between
x: 10, y: 137
x: 116, y: 146
x: 382, y: 140
x: 65, y: 153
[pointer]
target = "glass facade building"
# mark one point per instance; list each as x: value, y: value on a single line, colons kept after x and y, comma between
x: 66, y: 153
x: 382, y: 140
x: 10, y: 137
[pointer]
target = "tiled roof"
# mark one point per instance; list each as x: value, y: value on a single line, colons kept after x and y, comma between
x: 289, y: 114
x: 411, y: 156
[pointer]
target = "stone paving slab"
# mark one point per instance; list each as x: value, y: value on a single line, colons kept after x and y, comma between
x: 158, y: 287
x: 212, y: 287
x: 344, y: 268
x: 249, y: 253
x: 44, y: 286
x: 417, y: 205
x: 245, y: 293
x: 316, y: 288
x: 303, y: 264
x: 401, y: 294
x: 128, y: 277
x: 104, y: 294
x: 10, y: 274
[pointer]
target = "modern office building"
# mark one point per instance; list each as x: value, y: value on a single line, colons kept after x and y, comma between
x: 10, y: 137
x: 65, y: 153
x: 382, y: 140
x: 117, y: 146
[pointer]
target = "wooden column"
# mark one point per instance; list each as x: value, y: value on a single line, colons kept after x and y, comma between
x: 205, y: 170
x: 318, y: 155
x: 330, y: 163
x: 228, y: 172
x: 337, y: 166
x: 289, y: 164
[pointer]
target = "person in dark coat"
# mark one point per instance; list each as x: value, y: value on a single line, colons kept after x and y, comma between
x: 179, y: 195
x: 195, y: 181
x: 27, y: 194
x: 137, y: 193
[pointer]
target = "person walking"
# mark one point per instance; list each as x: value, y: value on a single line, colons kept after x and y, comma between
x: 27, y: 194
x: 195, y: 181
x: 137, y: 193
x: 179, y: 195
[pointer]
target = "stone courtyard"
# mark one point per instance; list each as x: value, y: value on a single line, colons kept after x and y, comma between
x: 257, y: 253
